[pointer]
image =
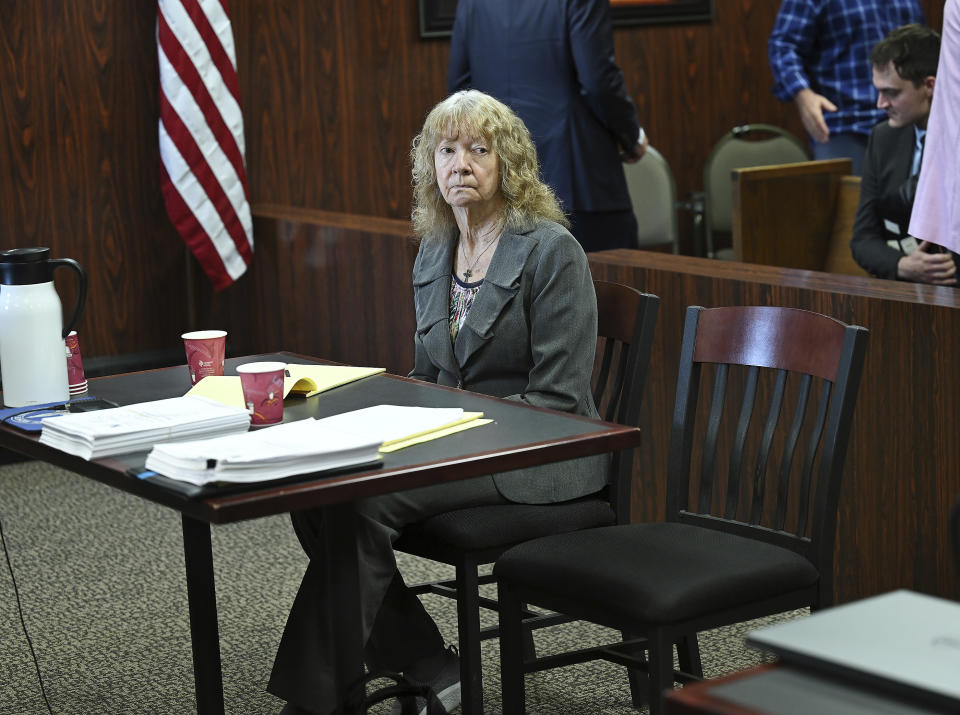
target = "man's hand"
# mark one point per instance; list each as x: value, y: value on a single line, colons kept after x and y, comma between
x: 922, y: 266
x: 812, y: 106
x: 637, y: 151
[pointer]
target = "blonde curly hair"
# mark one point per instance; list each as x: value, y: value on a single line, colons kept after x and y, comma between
x: 478, y: 115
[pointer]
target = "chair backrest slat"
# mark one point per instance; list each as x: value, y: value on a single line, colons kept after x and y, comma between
x: 602, y: 375
x: 790, y: 446
x: 626, y: 322
x: 769, y: 429
x: 739, y: 439
x: 806, y: 474
x: 708, y: 464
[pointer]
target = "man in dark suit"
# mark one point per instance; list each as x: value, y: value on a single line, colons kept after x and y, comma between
x: 552, y: 62
x: 904, y: 74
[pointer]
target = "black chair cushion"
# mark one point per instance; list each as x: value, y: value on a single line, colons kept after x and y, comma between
x: 656, y: 573
x: 486, y: 527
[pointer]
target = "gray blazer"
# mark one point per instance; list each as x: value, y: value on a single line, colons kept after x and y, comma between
x: 530, y: 335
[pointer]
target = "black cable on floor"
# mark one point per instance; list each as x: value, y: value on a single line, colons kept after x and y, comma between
x: 23, y: 623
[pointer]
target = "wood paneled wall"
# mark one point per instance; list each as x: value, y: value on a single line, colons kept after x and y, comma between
x: 333, y: 91
x: 356, y: 272
x: 80, y: 166
x: 330, y: 113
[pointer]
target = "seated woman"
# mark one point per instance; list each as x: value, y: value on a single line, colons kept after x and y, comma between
x: 505, y: 306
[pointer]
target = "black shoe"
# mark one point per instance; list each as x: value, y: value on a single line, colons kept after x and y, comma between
x: 445, y: 685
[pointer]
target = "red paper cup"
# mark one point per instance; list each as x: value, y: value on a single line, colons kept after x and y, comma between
x: 75, y: 377
x: 263, y: 391
x: 205, y: 352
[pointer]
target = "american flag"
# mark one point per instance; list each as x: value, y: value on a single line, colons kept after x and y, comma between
x: 204, y: 181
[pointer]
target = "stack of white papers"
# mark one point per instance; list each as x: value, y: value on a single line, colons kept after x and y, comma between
x: 135, y: 428
x: 271, y: 453
x: 401, y: 426
x: 307, y: 446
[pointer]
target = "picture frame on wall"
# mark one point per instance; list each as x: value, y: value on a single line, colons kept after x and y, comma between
x: 436, y: 16
x: 641, y: 12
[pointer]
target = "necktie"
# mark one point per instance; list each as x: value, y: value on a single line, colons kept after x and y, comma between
x: 918, y: 155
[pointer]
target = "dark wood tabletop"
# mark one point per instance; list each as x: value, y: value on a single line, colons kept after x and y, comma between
x: 787, y: 689
x: 520, y: 436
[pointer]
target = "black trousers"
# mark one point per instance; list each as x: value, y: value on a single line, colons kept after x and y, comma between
x: 600, y: 230
x: 397, y: 630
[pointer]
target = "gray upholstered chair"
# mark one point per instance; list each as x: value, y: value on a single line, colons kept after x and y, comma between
x: 653, y: 195
x: 742, y: 146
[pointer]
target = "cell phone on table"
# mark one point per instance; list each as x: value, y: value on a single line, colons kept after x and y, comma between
x: 91, y: 405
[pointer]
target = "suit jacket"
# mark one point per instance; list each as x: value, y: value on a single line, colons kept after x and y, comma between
x: 530, y: 335
x: 552, y: 62
x: 886, y: 192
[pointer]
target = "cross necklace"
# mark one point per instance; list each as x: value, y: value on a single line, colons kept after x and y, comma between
x: 469, y: 271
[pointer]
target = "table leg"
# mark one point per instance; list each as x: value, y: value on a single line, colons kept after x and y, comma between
x: 204, y: 632
x: 340, y: 538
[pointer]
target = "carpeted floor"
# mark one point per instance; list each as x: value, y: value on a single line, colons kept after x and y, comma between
x: 101, y: 580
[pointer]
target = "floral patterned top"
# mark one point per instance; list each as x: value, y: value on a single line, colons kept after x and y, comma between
x: 461, y: 298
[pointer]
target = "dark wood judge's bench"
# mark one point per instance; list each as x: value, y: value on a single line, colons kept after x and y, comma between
x: 339, y: 285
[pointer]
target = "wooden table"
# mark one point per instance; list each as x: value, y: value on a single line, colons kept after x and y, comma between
x: 520, y: 436
x: 780, y: 689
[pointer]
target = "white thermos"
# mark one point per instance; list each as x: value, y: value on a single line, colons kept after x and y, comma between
x: 32, y: 364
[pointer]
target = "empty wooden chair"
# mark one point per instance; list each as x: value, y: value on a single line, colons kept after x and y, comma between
x: 746, y: 536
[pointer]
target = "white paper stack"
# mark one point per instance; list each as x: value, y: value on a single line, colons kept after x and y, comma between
x: 311, y: 445
x: 134, y: 428
x: 271, y: 453
x: 393, y: 423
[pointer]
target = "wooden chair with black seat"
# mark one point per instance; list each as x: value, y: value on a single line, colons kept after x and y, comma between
x: 469, y: 538
x: 741, y: 543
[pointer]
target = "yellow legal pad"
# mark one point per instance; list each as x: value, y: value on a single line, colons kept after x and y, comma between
x: 301, y: 381
x: 310, y: 380
x: 469, y: 420
x: 400, y: 426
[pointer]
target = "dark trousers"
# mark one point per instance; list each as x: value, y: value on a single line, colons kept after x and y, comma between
x: 600, y: 230
x: 843, y: 146
x: 397, y: 630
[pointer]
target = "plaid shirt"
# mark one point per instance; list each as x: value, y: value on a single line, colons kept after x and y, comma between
x: 825, y: 45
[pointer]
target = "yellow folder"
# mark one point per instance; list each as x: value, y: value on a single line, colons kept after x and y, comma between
x: 310, y: 380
